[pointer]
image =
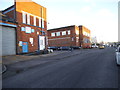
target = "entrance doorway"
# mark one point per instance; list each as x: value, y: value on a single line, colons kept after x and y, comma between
x: 41, y: 42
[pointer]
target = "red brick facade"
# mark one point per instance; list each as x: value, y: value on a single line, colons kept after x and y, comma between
x: 31, y: 23
x: 73, y: 37
x: 85, y: 37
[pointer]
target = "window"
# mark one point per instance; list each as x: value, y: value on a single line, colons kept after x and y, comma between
x: 28, y: 29
x: 88, y: 41
x: 86, y: 34
x: 31, y: 41
x: 39, y: 22
x: 77, y: 39
x: 57, y: 33
x: 85, y: 40
x: 72, y: 38
x: 32, y: 30
x: 34, y: 20
x: 69, y: 32
x: 22, y: 29
x: 77, y: 32
x: 28, y: 18
x: 24, y: 17
x: 52, y: 34
x: 64, y: 33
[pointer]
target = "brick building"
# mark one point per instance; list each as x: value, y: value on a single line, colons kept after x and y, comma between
x: 8, y: 35
x: 31, y: 31
x: 85, y: 38
x: 75, y: 36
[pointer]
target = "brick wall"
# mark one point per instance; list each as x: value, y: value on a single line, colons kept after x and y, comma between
x: 79, y: 36
x: 63, y: 40
x: 34, y: 10
x: 84, y: 37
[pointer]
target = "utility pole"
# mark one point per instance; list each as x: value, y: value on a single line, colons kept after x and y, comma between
x: 42, y: 20
x: 42, y: 26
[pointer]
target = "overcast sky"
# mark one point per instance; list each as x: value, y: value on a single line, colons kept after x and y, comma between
x: 100, y: 16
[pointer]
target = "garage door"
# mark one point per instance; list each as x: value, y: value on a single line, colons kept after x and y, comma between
x: 8, y: 40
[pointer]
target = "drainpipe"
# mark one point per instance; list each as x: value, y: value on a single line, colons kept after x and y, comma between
x: 42, y: 27
x: 41, y: 19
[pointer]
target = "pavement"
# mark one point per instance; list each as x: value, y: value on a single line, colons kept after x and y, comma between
x: 15, y: 59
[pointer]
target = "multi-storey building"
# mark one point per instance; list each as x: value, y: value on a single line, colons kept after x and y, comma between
x: 85, y: 37
x: 64, y: 36
x: 31, y: 25
x: 69, y: 36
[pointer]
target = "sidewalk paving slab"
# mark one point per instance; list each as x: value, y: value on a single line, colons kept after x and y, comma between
x: 17, y: 58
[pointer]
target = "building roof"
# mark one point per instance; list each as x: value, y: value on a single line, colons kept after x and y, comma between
x: 28, y: 1
x: 62, y: 27
x: 6, y: 18
x: 7, y: 8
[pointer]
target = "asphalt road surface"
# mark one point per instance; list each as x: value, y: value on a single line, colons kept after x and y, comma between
x: 93, y: 68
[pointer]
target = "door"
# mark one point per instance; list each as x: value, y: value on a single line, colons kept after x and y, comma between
x: 8, y: 40
x: 41, y: 42
x: 25, y: 47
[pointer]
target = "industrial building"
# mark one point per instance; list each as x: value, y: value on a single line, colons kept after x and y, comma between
x: 69, y: 36
x: 31, y: 26
x: 85, y: 37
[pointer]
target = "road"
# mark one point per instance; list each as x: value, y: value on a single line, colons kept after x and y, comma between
x: 93, y: 68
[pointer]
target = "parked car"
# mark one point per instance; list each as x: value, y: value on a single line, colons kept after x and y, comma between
x: 87, y: 47
x: 94, y: 46
x: 54, y: 48
x: 76, y: 47
x: 118, y: 55
x: 64, y: 48
x: 101, y: 47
